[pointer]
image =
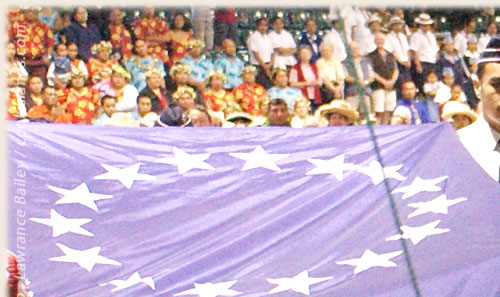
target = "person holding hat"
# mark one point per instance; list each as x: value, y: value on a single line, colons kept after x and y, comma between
x: 260, y: 47
x: 140, y: 62
x: 34, y: 41
x: 249, y: 95
x: 463, y: 36
x: 424, y: 47
x: 79, y: 100
x: 482, y: 137
x: 283, y: 44
x: 397, y: 44
x: 230, y: 64
x: 199, y: 64
x: 338, y: 113
x: 449, y: 59
x: 458, y: 113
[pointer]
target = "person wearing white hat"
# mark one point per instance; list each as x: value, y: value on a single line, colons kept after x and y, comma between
x: 375, y: 25
x: 462, y: 37
x: 459, y: 114
x: 397, y: 44
x: 482, y: 138
x: 424, y: 47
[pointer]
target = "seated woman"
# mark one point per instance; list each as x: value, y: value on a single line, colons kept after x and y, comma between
x: 80, y: 101
x: 102, y: 52
x: 304, y: 76
x: 251, y: 97
x: 34, y: 91
x: 282, y: 90
x: 121, y: 89
x: 216, y: 97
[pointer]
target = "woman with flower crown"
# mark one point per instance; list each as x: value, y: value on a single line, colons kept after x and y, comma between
x: 80, y: 101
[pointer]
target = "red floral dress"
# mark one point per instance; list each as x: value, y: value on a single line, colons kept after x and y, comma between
x: 120, y: 38
x: 251, y: 99
x: 32, y: 39
x: 81, y: 106
x: 217, y: 101
x: 146, y: 27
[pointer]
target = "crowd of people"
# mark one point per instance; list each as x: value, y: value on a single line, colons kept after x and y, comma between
x: 371, y: 65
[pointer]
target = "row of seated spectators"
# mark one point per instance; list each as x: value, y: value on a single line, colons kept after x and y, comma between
x: 96, y: 76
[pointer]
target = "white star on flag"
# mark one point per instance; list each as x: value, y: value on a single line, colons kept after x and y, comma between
x: 438, y: 205
x: 85, y: 259
x: 186, y: 162
x: 211, y: 290
x: 61, y: 225
x: 126, y: 176
x: 420, y: 185
x: 417, y: 234
x: 260, y: 158
x: 299, y: 283
x: 374, y: 171
x: 369, y: 259
x: 133, y: 280
x: 80, y: 195
x: 334, y: 166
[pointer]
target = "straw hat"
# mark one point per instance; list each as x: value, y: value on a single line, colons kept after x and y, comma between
x: 340, y: 107
x: 452, y: 108
x: 121, y: 119
x: 424, y: 19
x: 239, y: 115
x: 374, y: 19
x: 396, y: 20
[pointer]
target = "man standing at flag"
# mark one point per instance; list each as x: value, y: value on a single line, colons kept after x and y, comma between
x: 482, y: 138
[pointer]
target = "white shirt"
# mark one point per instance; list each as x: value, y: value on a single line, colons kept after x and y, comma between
x: 483, y: 42
x: 283, y: 40
x: 397, y: 44
x: 261, y: 44
x: 443, y: 94
x: 360, y: 31
x: 129, y: 100
x: 480, y: 141
x: 461, y: 43
x: 425, y: 45
x: 334, y: 39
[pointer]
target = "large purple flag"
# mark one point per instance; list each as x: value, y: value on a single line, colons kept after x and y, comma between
x: 113, y: 211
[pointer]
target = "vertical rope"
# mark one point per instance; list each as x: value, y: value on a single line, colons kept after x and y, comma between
x: 373, y: 137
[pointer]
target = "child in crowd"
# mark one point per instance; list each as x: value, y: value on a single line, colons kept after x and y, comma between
x: 59, y: 71
x: 108, y: 104
x: 144, y: 116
